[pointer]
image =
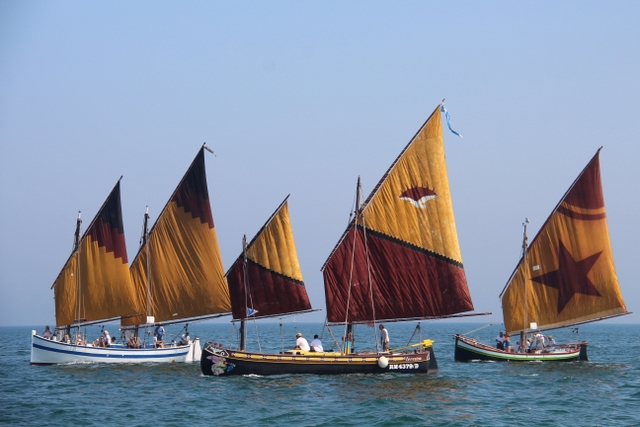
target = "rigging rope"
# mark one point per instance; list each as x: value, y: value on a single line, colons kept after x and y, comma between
x: 482, y: 327
x: 373, y: 305
x: 413, y: 334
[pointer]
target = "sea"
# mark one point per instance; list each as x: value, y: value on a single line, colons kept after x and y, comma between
x: 605, y: 391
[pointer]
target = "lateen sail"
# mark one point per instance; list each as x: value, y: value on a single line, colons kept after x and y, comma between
x: 273, y: 277
x: 186, y: 273
x: 407, y: 265
x: 569, y: 275
x: 95, y: 283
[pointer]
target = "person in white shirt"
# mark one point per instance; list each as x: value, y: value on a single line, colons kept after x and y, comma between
x: 47, y: 333
x: 107, y: 339
x: 538, y: 342
x: 185, y: 339
x: 301, y: 343
x: 316, y: 344
x: 500, y: 341
x: 384, y: 338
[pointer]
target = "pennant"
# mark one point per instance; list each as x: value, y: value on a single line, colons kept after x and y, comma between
x: 448, y: 117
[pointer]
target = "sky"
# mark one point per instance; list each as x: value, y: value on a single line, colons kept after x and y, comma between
x: 301, y: 98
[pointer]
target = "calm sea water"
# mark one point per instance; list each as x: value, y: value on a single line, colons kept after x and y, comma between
x: 602, y: 392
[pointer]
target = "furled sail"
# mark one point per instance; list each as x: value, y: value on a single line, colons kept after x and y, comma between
x: 95, y: 283
x: 568, y: 275
x: 400, y: 258
x: 181, y: 254
x: 270, y: 283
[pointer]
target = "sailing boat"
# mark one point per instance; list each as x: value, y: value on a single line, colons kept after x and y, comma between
x: 565, y: 277
x: 93, y: 287
x: 178, y: 272
x: 399, y: 259
x: 265, y: 281
x: 176, y: 276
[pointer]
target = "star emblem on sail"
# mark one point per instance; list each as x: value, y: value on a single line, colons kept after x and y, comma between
x: 571, y: 277
x: 418, y: 196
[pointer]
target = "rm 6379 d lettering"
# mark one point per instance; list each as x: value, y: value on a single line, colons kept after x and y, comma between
x: 405, y: 366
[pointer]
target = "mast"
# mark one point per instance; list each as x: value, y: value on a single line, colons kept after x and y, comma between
x: 243, y: 321
x: 143, y: 243
x: 348, y: 337
x: 76, y: 238
x: 76, y: 247
x: 525, y: 245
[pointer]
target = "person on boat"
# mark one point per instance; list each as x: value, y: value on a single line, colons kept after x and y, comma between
x: 157, y: 342
x: 500, y: 341
x: 316, y: 344
x: 301, y: 343
x: 134, y: 341
x: 185, y: 339
x: 384, y: 338
x: 538, y: 343
x: 508, y: 347
x: 160, y: 331
x: 550, y: 341
x: 47, y: 333
x: 107, y: 339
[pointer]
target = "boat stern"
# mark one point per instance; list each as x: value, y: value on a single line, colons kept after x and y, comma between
x: 583, y: 352
x: 195, y: 351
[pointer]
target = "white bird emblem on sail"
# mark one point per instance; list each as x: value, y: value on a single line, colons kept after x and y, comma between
x: 418, y: 196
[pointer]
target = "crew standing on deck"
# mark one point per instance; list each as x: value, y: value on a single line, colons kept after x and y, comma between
x: 384, y: 338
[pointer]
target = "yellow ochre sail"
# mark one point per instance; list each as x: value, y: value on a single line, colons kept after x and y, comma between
x: 95, y: 283
x: 275, y: 249
x: 567, y: 275
x: 413, y: 202
x: 269, y: 281
x: 181, y: 263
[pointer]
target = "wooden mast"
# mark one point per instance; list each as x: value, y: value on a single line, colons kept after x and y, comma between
x: 525, y: 245
x: 243, y: 330
x: 348, y: 337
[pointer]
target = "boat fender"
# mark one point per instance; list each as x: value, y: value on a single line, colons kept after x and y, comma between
x: 383, y: 362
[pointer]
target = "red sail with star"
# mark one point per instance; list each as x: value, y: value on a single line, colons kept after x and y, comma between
x: 569, y: 275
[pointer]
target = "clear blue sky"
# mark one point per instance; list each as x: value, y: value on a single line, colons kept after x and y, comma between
x: 301, y: 98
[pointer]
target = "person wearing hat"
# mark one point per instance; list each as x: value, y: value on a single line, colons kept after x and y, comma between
x: 160, y: 331
x: 301, y: 343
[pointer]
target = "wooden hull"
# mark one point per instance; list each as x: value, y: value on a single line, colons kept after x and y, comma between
x: 49, y: 352
x: 223, y: 362
x: 467, y: 350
